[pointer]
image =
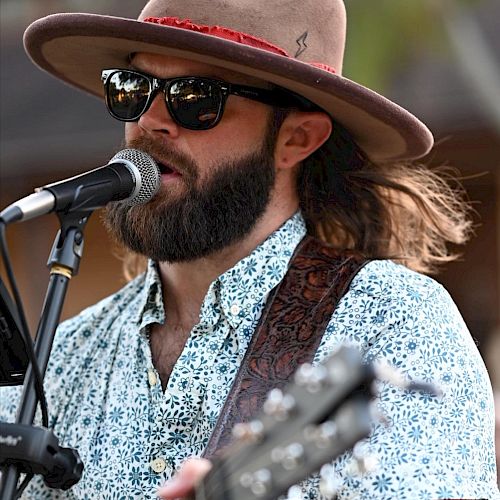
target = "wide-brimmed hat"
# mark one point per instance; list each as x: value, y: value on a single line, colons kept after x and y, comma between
x: 296, y: 45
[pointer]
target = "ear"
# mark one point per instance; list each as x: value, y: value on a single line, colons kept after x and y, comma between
x: 300, y: 135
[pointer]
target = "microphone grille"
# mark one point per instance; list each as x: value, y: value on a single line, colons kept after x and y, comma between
x: 148, y: 172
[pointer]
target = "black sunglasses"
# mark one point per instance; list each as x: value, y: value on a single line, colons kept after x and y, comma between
x: 195, y: 103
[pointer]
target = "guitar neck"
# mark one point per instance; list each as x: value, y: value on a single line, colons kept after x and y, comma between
x: 269, y: 472
x: 323, y: 414
x: 213, y: 486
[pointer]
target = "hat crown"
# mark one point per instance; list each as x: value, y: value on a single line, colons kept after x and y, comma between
x: 312, y: 31
x: 252, y: 37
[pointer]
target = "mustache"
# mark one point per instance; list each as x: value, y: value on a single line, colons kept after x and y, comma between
x: 166, y: 155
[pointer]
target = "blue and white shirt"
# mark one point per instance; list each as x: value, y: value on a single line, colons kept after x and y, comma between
x: 105, y: 397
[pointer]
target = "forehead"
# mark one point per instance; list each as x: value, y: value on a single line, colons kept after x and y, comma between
x: 163, y: 66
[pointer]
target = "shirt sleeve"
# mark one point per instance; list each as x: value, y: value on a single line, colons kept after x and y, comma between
x: 54, y: 381
x: 67, y: 360
x: 430, y: 447
x: 9, y: 401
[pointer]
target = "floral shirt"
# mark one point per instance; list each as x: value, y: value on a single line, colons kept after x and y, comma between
x: 105, y: 397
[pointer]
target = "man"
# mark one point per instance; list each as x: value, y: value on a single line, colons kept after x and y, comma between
x: 260, y: 140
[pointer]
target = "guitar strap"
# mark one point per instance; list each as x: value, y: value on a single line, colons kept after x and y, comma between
x: 289, y: 332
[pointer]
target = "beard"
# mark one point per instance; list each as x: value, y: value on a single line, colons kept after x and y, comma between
x: 206, y: 216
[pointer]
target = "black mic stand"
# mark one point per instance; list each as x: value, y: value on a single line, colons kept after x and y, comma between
x: 35, y: 450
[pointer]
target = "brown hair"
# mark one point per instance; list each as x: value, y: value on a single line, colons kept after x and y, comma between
x: 404, y: 212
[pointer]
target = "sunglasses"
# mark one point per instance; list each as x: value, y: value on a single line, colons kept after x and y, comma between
x: 195, y: 103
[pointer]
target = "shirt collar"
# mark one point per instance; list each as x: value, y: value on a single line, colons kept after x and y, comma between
x: 238, y: 291
x: 242, y: 288
x: 150, y: 308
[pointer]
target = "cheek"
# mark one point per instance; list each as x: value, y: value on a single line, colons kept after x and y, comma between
x: 218, y: 149
x: 131, y: 131
x: 239, y: 132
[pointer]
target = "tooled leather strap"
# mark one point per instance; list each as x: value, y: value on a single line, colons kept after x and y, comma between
x: 289, y: 332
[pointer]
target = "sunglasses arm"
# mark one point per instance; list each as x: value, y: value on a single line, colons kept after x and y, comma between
x: 277, y: 97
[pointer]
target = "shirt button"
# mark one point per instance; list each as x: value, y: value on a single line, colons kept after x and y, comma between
x: 158, y: 465
x: 235, y: 310
x: 152, y: 378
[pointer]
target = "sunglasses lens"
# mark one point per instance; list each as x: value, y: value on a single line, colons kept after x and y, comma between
x: 195, y: 103
x: 127, y: 94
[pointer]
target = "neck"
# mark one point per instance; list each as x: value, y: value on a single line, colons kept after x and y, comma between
x: 185, y: 284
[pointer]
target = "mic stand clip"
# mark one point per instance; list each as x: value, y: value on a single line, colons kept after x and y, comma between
x: 36, y: 450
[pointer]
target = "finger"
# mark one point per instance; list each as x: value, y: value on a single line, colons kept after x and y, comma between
x: 183, y: 483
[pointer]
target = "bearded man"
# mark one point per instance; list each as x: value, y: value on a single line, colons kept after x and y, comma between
x: 267, y: 153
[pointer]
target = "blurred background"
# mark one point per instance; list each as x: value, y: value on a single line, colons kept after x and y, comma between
x: 438, y: 58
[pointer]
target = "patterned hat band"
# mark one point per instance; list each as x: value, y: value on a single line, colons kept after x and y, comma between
x: 229, y: 34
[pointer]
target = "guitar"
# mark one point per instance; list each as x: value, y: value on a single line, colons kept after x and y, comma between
x: 323, y: 413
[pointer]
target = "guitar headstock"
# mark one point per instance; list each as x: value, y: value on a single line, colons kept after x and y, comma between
x: 323, y: 413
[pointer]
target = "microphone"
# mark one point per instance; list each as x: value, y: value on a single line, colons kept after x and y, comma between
x: 131, y: 175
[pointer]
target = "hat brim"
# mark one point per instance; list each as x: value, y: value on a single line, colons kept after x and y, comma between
x: 76, y: 47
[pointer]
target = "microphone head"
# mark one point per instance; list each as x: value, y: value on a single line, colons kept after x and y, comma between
x: 145, y: 172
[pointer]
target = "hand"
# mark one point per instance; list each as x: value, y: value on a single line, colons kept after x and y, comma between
x: 183, y: 483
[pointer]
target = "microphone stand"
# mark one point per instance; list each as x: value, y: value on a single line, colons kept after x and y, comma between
x: 61, y: 467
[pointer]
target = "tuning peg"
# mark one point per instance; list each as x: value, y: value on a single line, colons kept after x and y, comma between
x: 361, y: 465
x: 279, y: 405
x: 330, y: 482
x: 311, y: 377
x: 290, y: 457
x: 259, y: 482
x: 389, y: 373
x: 321, y: 435
x: 367, y: 464
x: 252, y: 431
x: 294, y: 493
x: 364, y: 461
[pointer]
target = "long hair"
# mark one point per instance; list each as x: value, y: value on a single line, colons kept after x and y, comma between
x: 405, y: 212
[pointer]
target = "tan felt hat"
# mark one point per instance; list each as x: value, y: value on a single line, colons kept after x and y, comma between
x: 298, y: 45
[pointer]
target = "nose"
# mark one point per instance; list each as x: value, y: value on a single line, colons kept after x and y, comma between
x: 157, y: 120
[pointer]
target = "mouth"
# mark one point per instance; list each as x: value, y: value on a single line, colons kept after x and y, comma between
x: 166, y: 169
